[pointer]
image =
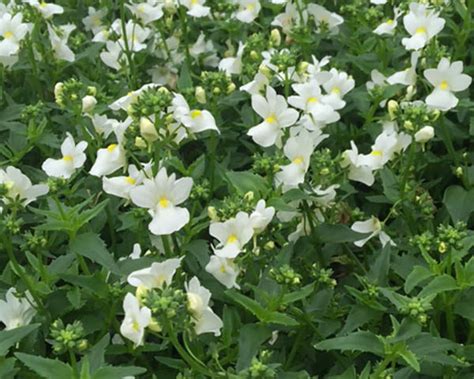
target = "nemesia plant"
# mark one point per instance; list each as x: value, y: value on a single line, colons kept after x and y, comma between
x: 239, y: 189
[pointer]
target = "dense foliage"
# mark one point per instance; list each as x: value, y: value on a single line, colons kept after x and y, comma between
x: 236, y: 189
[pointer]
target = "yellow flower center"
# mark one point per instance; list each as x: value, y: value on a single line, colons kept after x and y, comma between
x: 271, y: 119
x: 336, y: 90
x: 135, y: 326
x: 444, y: 85
x: 377, y: 153
x: 9, y: 184
x: 42, y: 4
x: 111, y: 147
x: 67, y: 158
x: 421, y: 30
x: 298, y: 160
x: 8, y: 35
x: 250, y: 7
x: 164, y: 202
x: 223, y: 269
x: 195, y: 113
x: 130, y: 180
x: 194, y: 2
x: 232, y: 238
x: 389, y: 22
x: 312, y: 100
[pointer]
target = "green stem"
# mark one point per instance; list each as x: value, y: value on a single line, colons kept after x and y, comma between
x: 128, y: 53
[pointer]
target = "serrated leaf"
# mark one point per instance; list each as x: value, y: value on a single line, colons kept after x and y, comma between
x: 337, y: 233
x: 418, y: 275
x: 90, y: 245
x: 244, y: 181
x: 250, y: 338
x: 46, y: 368
x: 439, y: 284
x: 362, y: 341
x: 117, y: 372
x: 9, y: 338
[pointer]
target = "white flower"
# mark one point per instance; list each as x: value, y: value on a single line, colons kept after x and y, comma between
x: 224, y: 270
x: 148, y: 11
x: 374, y: 227
x: 136, y: 36
x: 388, y: 27
x: 447, y: 78
x: 206, y: 48
x: 59, y: 41
x: 232, y: 235
x: 255, y: 86
x: 423, y: 24
x: 323, y: 16
x: 386, y: 145
x: 193, y: 119
x: 46, y: 10
x: 298, y: 150
x: 233, y: 65
x: 359, y: 171
x: 73, y: 158
x: 112, y: 55
x: 406, y: 77
x: 248, y: 10
x: 16, y: 312
x: 125, y: 101
x: 196, y: 8
x: 204, y: 319
x: 108, y: 160
x: 377, y: 80
x: 378, y: 2
x: 19, y: 186
x: 122, y: 185
x: 104, y: 125
x: 155, y: 276
x: 93, y: 21
x: 13, y: 31
x: 161, y: 196
x: 135, y: 321
x: 261, y: 216
x: 336, y: 87
x: 424, y: 134
x: 290, y: 17
x: 276, y: 116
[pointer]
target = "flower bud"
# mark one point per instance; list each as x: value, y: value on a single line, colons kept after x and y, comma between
x: 195, y: 303
x: 411, y: 90
x: 212, y: 214
x: 263, y: 69
x: 140, y: 142
x: 200, y: 95
x: 270, y: 245
x: 88, y: 103
x: 275, y: 37
x: 392, y: 109
x: 408, y: 125
x: 302, y: 67
x: 148, y: 130
x: 154, y: 325
x: 424, y: 134
x: 231, y: 88
x: 91, y: 90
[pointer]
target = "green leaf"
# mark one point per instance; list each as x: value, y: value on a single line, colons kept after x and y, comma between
x: 7, y: 368
x: 337, y: 233
x: 459, y: 203
x: 259, y: 311
x: 439, y: 284
x: 362, y: 341
x: 418, y: 275
x: 117, y: 372
x: 379, y: 269
x: 9, y: 338
x: 184, y: 80
x: 391, y: 188
x: 410, y: 358
x: 46, y: 368
x: 90, y: 245
x: 250, y: 338
x: 244, y: 181
x: 95, y: 355
x: 298, y: 295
